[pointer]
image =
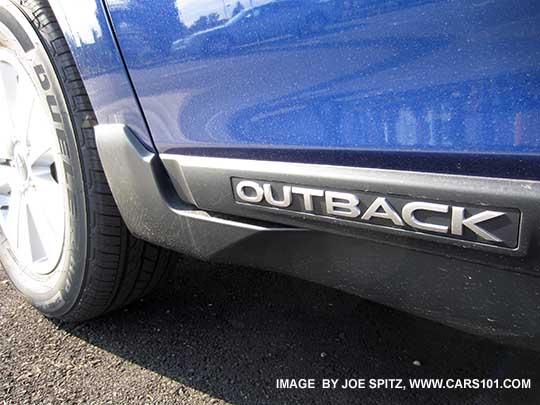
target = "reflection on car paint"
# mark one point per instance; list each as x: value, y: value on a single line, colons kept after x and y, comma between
x: 460, y: 76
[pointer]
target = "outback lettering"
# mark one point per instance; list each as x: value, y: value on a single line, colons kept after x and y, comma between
x: 454, y: 220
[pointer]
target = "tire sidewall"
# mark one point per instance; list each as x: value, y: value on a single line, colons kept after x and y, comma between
x: 54, y: 294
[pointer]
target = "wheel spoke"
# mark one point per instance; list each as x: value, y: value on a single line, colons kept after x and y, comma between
x: 6, y: 147
x: 24, y: 104
x: 41, y: 157
x: 6, y: 129
x: 46, y: 207
x: 12, y: 217
x: 7, y: 177
x: 45, y: 184
x: 8, y: 85
x: 43, y: 232
x: 16, y: 226
x: 24, y: 243
x: 41, y: 151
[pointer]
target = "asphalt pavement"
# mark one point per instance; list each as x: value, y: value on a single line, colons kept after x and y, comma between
x: 222, y: 334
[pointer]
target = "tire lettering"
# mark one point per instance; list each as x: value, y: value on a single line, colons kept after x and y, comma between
x: 51, y: 100
x: 63, y: 141
x: 56, y: 115
x: 67, y: 168
x: 42, y: 76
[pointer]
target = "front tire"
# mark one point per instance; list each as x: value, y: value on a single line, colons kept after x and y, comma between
x: 95, y: 265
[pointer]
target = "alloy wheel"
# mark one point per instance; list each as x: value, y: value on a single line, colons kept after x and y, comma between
x: 32, y: 203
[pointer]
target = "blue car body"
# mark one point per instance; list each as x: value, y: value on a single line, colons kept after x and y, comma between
x: 448, y: 78
x: 424, y: 86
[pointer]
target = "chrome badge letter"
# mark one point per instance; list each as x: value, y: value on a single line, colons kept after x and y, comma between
x: 473, y: 223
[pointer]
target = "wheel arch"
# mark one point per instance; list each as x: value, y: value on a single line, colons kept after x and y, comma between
x: 93, y: 45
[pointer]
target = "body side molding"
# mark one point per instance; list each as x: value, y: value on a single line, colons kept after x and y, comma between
x: 212, y: 183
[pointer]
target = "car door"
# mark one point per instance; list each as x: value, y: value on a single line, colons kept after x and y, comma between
x: 421, y: 77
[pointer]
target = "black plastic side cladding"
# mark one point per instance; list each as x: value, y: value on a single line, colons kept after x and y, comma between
x: 210, y: 181
x: 486, y: 292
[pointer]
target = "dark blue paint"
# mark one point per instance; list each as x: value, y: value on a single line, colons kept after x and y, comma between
x: 441, y: 76
x: 258, y: 24
x: 328, y: 82
x: 100, y: 64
